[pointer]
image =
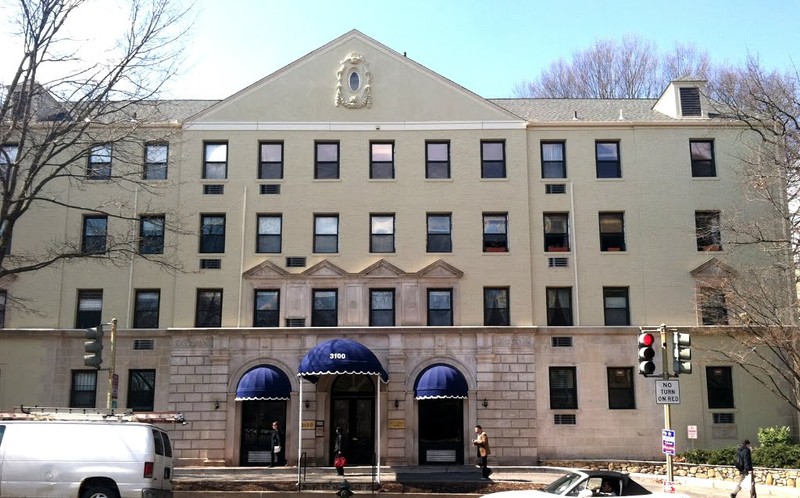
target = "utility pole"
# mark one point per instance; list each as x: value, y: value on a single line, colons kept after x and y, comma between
x: 109, y: 400
x: 665, y: 357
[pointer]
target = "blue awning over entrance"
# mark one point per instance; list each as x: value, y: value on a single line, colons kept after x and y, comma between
x: 263, y: 383
x: 441, y: 381
x: 340, y: 356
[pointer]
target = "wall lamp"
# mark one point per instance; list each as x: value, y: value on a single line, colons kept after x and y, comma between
x: 216, y: 405
x: 307, y: 404
x: 397, y: 403
x: 485, y: 403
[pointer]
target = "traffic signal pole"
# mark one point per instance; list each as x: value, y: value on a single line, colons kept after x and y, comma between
x: 109, y: 401
x: 665, y: 357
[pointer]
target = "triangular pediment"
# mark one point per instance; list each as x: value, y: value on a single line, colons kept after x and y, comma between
x: 713, y: 268
x: 382, y: 269
x: 324, y: 269
x: 265, y: 269
x: 389, y: 90
x: 440, y: 269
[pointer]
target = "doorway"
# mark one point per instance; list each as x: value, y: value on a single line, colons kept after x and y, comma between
x: 441, y: 431
x: 256, y: 443
x: 353, y: 410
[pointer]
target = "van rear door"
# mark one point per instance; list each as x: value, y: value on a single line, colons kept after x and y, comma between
x: 162, y: 465
x: 2, y: 456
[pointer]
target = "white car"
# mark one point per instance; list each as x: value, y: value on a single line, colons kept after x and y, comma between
x: 585, y: 483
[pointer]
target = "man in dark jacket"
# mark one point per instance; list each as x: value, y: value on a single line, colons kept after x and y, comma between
x: 745, y: 468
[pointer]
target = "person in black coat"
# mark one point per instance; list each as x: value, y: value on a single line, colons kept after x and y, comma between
x: 746, y: 470
x: 277, y: 442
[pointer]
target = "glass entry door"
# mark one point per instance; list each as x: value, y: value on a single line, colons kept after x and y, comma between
x: 441, y: 431
x: 257, y: 418
x: 353, y: 410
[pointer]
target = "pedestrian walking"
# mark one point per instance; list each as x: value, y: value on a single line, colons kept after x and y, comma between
x: 482, y: 442
x: 277, y: 439
x: 339, y: 460
x: 744, y: 464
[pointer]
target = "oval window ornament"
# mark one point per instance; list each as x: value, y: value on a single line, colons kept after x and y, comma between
x: 355, y: 81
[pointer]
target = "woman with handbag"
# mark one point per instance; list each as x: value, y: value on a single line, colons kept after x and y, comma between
x: 276, y: 440
x: 339, y: 461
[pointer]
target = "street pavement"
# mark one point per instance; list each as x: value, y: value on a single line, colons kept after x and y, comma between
x: 320, y: 479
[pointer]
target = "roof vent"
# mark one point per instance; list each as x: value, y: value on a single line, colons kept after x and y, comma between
x: 690, y: 101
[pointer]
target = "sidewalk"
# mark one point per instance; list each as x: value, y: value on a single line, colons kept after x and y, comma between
x: 325, y: 478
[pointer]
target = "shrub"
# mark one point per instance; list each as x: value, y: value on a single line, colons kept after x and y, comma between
x: 780, y: 456
x: 720, y: 456
x: 774, y: 436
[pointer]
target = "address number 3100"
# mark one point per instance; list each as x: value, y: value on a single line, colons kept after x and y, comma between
x: 338, y: 356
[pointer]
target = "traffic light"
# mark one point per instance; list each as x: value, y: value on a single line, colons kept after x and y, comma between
x: 682, y: 357
x: 646, y: 353
x: 93, y: 347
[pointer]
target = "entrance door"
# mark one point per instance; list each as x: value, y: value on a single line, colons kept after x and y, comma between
x: 353, y: 410
x: 441, y: 431
x: 257, y: 418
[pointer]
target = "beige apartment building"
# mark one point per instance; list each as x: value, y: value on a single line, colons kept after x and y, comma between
x: 359, y: 242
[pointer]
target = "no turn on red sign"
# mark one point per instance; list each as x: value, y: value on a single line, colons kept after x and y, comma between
x: 668, y: 392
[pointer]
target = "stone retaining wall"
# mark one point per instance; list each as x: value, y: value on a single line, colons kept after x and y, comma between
x: 773, y: 477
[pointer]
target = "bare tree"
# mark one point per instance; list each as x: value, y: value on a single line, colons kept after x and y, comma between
x: 63, y: 113
x: 761, y: 296
x: 627, y: 69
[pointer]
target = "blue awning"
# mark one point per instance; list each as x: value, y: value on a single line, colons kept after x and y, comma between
x: 340, y: 356
x: 263, y: 383
x: 440, y: 381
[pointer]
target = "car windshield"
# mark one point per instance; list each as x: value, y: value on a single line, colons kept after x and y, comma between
x: 562, y: 484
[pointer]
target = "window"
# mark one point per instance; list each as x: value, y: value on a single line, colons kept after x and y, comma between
x: 381, y: 233
x: 556, y: 232
x: 607, y: 155
x: 8, y: 156
x: 270, y: 166
x: 95, y: 229
x: 719, y: 383
x: 712, y: 307
x: 702, y: 154
x: 270, y: 227
x: 326, y: 233
x: 83, y: 391
x: 325, y: 312
x: 208, y: 312
x: 3, y: 298
x: 620, y: 388
x: 439, y: 233
x: 99, y: 162
x: 381, y: 160
x: 563, y: 388
x: 493, y: 159
x: 155, y: 161
x: 267, y: 308
x: 145, y: 312
x: 141, y: 390
x: 707, y: 231
x: 440, y: 307
x: 615, y: 306
x: 215, y: 160
x: 495, y: 307
x: 559, y: 306
x: 553, y: 162
x: 437, y: 159
x: 151, y: 235
x: 326, y: 160
x: 495, y: 232
x: 690, y: 101
x: 212, y: 233
x: 381, y: 308
x: 90, y: 309
x: 612, y: 232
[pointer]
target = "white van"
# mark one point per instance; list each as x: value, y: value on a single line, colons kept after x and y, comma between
x: 95, y: 459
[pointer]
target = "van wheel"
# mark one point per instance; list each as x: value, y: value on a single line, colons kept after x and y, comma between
x: 99, y: 491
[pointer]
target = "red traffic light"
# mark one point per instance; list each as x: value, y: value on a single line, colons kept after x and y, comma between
x: 646, y: 340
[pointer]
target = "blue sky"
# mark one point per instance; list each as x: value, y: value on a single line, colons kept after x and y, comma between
x: 487, y: 46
